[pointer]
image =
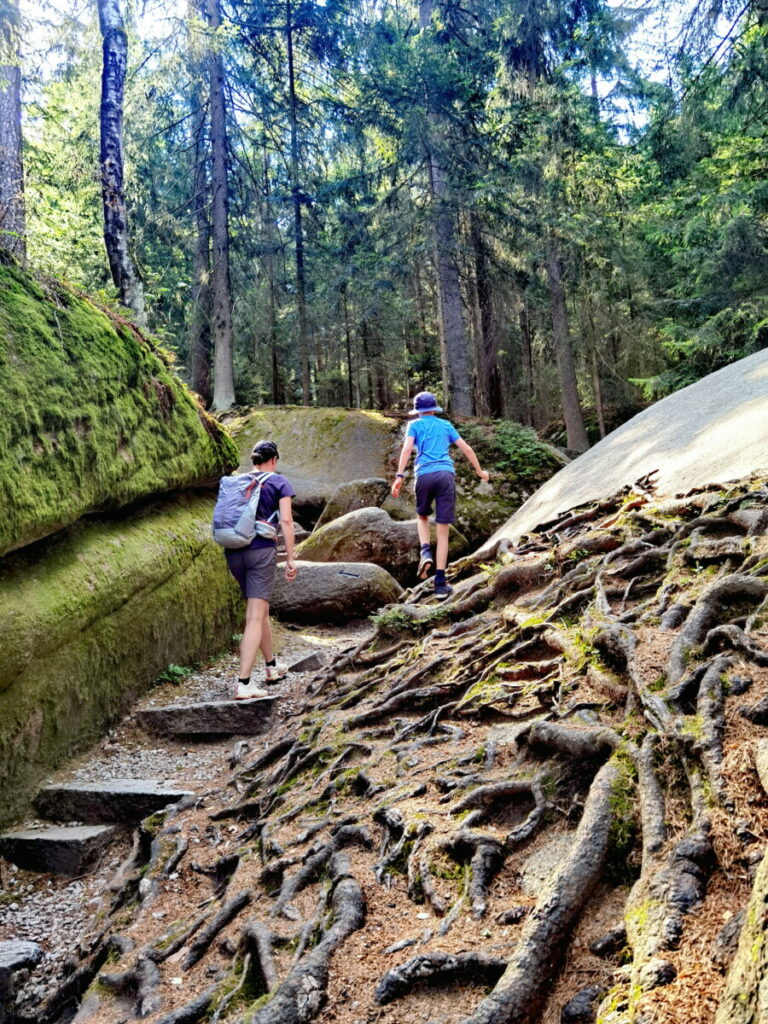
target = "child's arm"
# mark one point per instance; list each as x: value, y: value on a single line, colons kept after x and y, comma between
x: 467, y: 450
x: 405, y: 455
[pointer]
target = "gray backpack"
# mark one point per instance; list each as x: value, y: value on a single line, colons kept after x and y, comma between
x: 234, y: 516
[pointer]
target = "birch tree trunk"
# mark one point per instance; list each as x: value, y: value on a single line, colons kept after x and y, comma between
x: 116, y: 236
x: 12, y: 221
x: 221, y: 301
x: 453, y: 338
x: 566, y: 366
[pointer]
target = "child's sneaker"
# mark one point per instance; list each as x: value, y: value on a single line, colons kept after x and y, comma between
x: 443, y: 590
x: 274, y: 673
x: 426, y: 564
x: 249, y: 691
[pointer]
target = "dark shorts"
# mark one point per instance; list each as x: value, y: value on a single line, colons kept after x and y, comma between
x: 440, y: 488
x: 255, y: 570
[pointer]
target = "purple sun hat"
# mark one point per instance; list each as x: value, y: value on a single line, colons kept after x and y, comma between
x: 425, y: 401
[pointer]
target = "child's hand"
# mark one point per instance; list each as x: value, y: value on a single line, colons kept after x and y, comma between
x: 396, y: 486
x: 484, y: 475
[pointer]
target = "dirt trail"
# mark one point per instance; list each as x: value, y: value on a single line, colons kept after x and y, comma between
x: 537, y: 802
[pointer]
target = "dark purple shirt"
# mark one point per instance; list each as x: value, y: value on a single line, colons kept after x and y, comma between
x: 275, y: 488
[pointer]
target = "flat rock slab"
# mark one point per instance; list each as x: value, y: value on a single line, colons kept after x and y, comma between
x: 64, y: 850
x: 116, y: 800
x: 214, y: 718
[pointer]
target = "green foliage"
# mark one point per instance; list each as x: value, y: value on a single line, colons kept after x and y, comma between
x: 175, y: 674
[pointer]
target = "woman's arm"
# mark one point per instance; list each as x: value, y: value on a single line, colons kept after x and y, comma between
x: 286, y: 525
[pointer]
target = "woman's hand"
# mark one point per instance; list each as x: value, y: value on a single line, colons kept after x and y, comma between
x: 290, y: 570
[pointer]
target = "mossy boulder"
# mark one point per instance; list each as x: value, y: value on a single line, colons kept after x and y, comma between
x: 519, y: 463
x: 333, y: 591
x: 90, y: 618
x: 91, y: 415
x: 353, y: 495
x: 320, y: 448
x: 371, y: 535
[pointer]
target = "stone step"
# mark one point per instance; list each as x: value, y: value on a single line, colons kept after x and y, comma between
x: 212, y: 718
x: 14, y: 956
x: 114, y: 800
x: 62, y: 850
x: 310, y: 662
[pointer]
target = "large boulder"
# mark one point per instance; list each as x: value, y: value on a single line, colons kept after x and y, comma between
x: 371, y: 535
x: 713, y: 431
x: 356, y: 494
x: 333, y: 591
x: 90, y: 618
x: 320, y: 448
x: 91, y: 415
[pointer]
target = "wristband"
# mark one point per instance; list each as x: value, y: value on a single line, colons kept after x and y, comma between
x: 400, y: 476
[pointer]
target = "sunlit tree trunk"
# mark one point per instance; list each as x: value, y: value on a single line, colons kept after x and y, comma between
x: 566, y: 366
x: 116, y: 236
x: 12, y: 221
x: 453, y: 339
x: 221, y: 301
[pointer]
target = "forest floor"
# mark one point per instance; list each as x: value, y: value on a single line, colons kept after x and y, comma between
x: 542, y: 801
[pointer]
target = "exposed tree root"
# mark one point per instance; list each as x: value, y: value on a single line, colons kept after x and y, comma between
x: 315, y: 860
x: 227, y: 913
x: 438, y: 968
x: 521, y: 991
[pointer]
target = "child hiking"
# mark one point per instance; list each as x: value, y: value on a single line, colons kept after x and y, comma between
x: 254, y: 566
x: 435, y: 482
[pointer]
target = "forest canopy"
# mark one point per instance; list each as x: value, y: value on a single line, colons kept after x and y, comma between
x: 548, y: 212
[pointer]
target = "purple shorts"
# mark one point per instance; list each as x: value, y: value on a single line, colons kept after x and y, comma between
x: 439, y: 487
x: 255, y: 570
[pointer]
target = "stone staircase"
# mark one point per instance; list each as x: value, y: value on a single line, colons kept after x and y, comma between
x: 80, y: 820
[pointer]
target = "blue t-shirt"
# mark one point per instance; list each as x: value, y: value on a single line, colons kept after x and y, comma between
x: 433, y: 438
x: 275, y: 487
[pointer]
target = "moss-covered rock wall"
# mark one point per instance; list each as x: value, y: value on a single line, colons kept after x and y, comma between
x: 90, y: 618
x: 91, y: 416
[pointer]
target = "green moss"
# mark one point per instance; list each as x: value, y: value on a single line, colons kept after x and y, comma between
x: 88, y: 621
x: 91, y: 416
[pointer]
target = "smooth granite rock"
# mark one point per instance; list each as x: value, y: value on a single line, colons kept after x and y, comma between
x: 333, y: 591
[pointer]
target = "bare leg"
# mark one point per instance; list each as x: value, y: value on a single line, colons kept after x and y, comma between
x: 266, y: 638
x: 422, y: 525
x: 256, y: 611
x: 441, y: 555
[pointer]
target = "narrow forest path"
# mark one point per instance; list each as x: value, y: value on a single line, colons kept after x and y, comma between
x: 542, y: 802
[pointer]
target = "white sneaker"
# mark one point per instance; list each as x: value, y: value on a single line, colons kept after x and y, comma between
x: 248, y: 691
x: 274, y: 673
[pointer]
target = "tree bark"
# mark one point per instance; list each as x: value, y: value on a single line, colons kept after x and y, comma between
x: 453, y: 339
x: 574, y: 421
x: 221, y: 304
x: 116, y: 235
x: 12, y: 218
x: 526, y: 344
x: 199, y: 337
x: 488, y: 390
x: 298, y: 227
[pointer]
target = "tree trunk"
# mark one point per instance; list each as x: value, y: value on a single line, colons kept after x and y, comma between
x: 199, y: 338
x: 278, y: 390
x: 574, y: 421
x: 221, y: 304
x: 526, y: 342
x: 12, y: 221
x: 453, y: 339
x: 348, y: 342
x: 298, y: 227
x: 116, y: 239
x: 489, y: 400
